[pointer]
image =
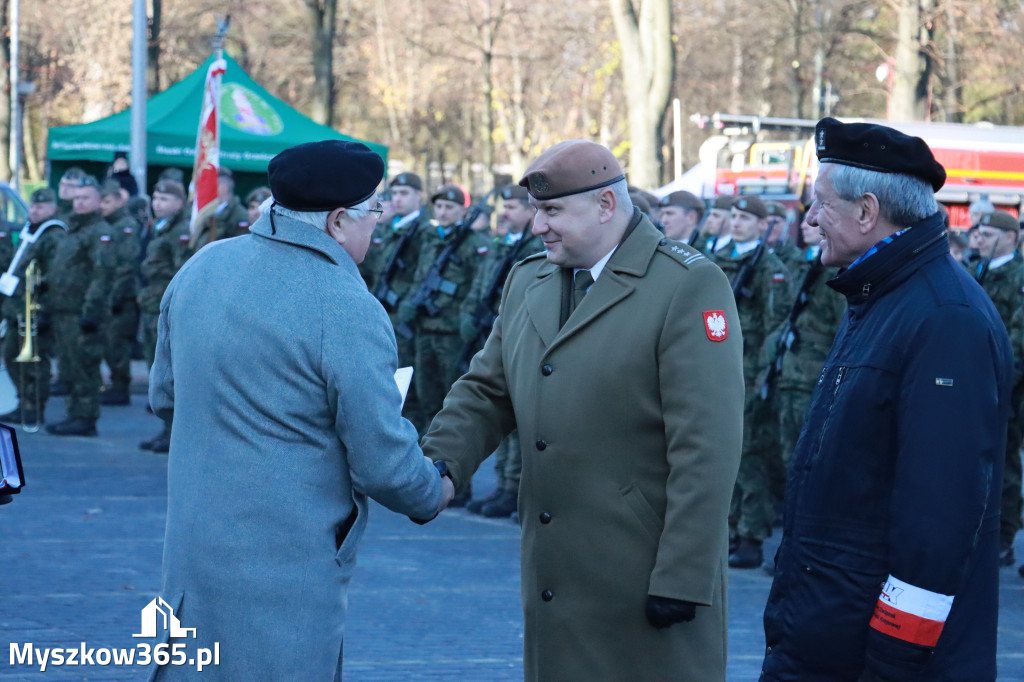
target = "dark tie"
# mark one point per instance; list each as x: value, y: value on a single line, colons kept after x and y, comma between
x: 580, y: 285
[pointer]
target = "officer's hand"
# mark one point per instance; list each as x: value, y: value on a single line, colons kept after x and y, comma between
x: 88, y: 324
x: 406, y: 312
x: 467, y: 329
x: 663, y: 612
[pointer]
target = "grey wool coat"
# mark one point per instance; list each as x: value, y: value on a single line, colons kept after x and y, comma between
x: 630, y: 419
x: 277, y: 365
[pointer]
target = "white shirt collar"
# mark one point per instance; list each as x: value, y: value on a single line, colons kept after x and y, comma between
x: 405, y: 220
x: 741, y: 248
x: 595, y: 271
x: 1002, y: 260
x: 722, y: 241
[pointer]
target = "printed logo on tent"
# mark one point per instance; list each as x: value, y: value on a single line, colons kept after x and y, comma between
x: 244, y: 110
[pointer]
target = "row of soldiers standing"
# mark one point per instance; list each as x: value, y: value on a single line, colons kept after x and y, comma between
x: 440, y: 279
x: 100, y: 269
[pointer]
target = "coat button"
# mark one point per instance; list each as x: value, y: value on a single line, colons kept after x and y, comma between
x: 546, y: 370
x: 542, y: 445
x: 547, y: 595
x: 545, y: 518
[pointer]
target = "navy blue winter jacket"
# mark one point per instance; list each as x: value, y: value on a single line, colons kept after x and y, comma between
x: 888, y: 561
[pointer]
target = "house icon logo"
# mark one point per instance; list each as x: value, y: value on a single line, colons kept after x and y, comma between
x: 150, y: 616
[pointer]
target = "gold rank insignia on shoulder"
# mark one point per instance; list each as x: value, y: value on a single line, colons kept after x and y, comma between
x: 943, y: 382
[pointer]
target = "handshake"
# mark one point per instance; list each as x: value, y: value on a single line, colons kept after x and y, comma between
x: 446, y: 496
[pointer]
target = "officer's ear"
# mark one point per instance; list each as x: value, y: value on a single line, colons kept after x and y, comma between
x: 335, y: 227
x: 868, y: 212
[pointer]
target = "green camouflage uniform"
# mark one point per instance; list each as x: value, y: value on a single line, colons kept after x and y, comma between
x: 753, y: 509
x: 814, y: 332
x: 32, y: 380
x: 230, y: 221
x: 166, y: 252
x: 791, y: 256
x: 383, y: 243
x: 124, y: 310
x: 79, y: 283
x: 502, y: 255
x: 437, y: 339
x: 1005, y: 286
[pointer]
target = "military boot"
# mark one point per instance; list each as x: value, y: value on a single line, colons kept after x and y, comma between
x: 114, y: 396
x: 1006, y: 557
x: 148, y: 444
x: 161, y: 445
x: 474, y: 507
x: 73, y: 427
x: 748, y: 554
x: 502, y: 506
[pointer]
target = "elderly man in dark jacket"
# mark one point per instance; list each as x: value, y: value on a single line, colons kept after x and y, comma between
x: 274, y: 452
x: 887, y: 568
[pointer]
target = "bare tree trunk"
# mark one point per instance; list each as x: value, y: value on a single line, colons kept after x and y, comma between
x: 322, y: 15
x: 951, y: 89
x: 5, y: 90
x: 387, y: 62
x: 648, y: 66
x: 489, y: 29
x: 29, y: 149
x: 153, y: 49
x: 912, y: 73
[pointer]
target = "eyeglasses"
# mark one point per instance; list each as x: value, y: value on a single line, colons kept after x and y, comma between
x: 378, y: 210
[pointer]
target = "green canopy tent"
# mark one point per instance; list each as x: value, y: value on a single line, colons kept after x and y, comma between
x: 254, y: 127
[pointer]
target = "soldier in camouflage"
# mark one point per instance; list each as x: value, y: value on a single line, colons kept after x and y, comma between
x: 32, y: 379
x: 780, y: 241
x: 715, y: 232
x: 1001, y: 273
x: 229, y: 219
x: 66, y: 190
x: 166, y: 252
x: 397, y: 244
x: 478, y: 313
x: 79, y: 283
x: 762, y: 302
x: 123, y: 327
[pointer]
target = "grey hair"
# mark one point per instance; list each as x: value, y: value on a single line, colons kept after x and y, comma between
x: 317, y: 219
x: 623, y: 202
x: 902, y: 199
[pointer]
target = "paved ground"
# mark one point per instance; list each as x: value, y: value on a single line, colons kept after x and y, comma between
x: 81, y: 556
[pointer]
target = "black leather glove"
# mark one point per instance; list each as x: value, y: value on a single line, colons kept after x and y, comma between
x: 88, y: 325
x: 663, y: 612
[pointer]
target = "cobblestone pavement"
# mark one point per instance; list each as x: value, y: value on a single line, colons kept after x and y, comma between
x: 81, y: 556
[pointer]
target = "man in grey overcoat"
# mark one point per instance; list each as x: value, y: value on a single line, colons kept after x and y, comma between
x: 278, y: 367
x: 618, y: 356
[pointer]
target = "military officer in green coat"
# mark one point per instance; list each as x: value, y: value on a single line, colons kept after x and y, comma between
x: 762, y: 297
x: 1001, y: 273
x: 618, y: 355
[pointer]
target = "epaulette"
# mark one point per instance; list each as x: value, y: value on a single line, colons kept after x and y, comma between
x: 535, y: 256
x: 680, y: 252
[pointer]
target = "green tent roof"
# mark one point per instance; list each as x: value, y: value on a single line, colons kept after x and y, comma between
x: 254, y: 126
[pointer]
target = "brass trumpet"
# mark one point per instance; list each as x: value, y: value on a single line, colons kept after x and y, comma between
x: 28, y: 328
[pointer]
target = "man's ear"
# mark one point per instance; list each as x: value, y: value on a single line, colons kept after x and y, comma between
x: 335, y: 223
x: 867, y: 212
x: 606, y: 204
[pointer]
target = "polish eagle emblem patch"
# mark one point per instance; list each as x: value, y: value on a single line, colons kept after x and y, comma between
x: 715, y: 325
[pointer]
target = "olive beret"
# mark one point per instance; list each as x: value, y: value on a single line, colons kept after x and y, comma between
x: 775, y: 208
x: 1001, y: 220
x: 877, y: 148
x: 407, y: 180
x: 571, y: 167
x: 325, y: 175
x: 752, y: 205
x: 640, y: 201
x: 449, y: 193
x: 684, y: 199
x: 724, y: 202
x: 110, y: 187
x: 45, y: 195
x: 225, y: 172
x: 515, y: 192
x: 171, y: 187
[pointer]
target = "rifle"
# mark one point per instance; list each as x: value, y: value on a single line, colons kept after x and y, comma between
x: 483, y: 314
x: 983, y: 272
x: 788, y: 333
x: 383, y: 291
x: 741, y: 283
x: 695, y: 235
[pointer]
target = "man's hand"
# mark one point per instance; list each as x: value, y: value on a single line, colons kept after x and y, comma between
x: 449, y: 493
x: 663, y: 612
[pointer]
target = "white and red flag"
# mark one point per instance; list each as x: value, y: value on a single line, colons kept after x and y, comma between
x: 204, y: 172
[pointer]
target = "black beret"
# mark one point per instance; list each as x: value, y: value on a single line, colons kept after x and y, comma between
x: 45, y: 195
x: 407, y: 180
x: 325, y: 175
x: 877, y: 148
x: 1001, y: 220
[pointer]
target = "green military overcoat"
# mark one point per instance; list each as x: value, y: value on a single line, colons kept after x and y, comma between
x: 630, y: 419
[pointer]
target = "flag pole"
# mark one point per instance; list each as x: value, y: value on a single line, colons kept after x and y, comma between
x: 207, y: 153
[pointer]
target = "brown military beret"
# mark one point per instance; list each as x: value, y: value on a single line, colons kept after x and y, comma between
x: 515, y: 192
x: 225, y: 172
x: 110, y: 187
x: 407, y: 180
x: 571, y: 167
x: 449, y: 193
x: 170, y: 187
x: 775, y: 208
x: 685, y: 200
x: 44, y: 195
x: 752, y: 205
x: 877, y: 148
x: 1001, y: 220
x: 724, y: 202
x: 640, y: 201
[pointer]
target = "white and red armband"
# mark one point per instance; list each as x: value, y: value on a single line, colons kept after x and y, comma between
x: 910, y: 613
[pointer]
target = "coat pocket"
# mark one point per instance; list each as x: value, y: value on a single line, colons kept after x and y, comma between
x: 643, y: 511
x: 348, y: 534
